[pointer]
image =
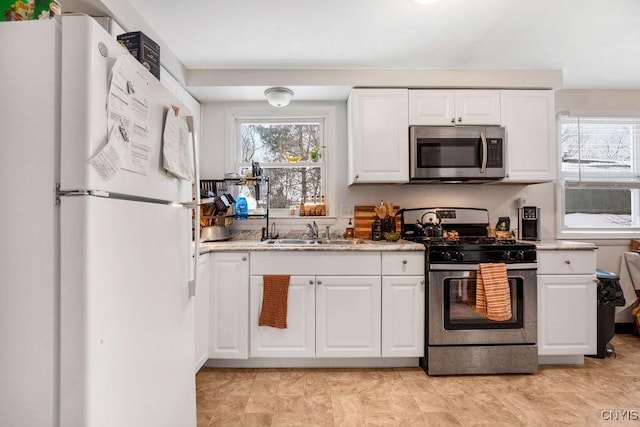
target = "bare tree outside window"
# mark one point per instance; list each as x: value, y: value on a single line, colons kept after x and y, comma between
x: 600, y: 172
x: 285, y: 150
x: 596, y: 146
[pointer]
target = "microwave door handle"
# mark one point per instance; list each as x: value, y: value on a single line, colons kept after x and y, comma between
x: 483, y: 168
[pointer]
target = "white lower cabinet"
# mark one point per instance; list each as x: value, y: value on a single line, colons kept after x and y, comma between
x: 339, y: 305
x: 348, y: 316
x: 403, y: 316
x: 567, y: 303
x: 229, y: 316
x: 403, y: 304
x: 298, y: 339
x: 201, y: 311
x: 332, y: 311
x: 327, y: 316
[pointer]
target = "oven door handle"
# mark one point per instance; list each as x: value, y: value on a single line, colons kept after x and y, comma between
x: 474, y: 267
x: 483, y: 168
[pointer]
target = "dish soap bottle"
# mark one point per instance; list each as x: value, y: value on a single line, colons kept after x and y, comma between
x: 242, y: 207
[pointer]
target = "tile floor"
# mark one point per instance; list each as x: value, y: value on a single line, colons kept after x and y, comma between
x: 589, y: 394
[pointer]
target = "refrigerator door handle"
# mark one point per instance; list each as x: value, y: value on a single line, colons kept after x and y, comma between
x: 196, y: 208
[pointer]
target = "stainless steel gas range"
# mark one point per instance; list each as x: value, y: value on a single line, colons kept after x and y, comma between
x: 461, y: 338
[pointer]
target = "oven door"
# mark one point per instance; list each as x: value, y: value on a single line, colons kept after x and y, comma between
x: 442, y: 152
x: 453, y: 319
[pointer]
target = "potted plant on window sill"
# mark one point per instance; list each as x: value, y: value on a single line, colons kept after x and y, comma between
x: 316, y: 153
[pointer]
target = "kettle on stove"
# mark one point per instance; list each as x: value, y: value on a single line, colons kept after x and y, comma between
x: 431, y: 228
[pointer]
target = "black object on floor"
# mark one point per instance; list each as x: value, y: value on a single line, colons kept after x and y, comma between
x: 609, y: 297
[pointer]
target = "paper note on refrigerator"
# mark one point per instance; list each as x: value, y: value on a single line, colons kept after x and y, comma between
x: 128, y: 106
x: 108, y: 161
x: 176, y: 150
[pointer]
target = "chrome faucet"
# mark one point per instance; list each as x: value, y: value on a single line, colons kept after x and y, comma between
x: 313, y: 230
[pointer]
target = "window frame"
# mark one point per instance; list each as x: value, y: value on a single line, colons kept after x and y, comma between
x: 323, y: 114
x: 592, y: 181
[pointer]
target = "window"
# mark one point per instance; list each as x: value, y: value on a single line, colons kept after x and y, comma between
x: 600, y: 184
x: 292, y: 152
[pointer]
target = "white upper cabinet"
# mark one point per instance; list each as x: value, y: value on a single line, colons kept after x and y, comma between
x: 528, y: 116
x: 454, y: 107
x: 378, y: 131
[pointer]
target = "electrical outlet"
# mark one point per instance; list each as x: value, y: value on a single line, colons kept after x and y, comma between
x: 346, y: 211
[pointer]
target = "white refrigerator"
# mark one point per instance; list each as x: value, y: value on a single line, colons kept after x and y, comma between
x: 96, y: 276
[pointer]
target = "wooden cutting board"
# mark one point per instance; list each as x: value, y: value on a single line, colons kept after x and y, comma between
x: 363, y: 218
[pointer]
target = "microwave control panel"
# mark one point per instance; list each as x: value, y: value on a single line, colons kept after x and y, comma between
x: 494, y: 153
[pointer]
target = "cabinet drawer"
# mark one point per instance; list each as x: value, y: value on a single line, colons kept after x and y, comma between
x: 315, y: 263
x: 567, y: 262
x: 403, y: 264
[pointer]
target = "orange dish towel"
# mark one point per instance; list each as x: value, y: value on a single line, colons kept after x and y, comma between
x: 493, y: 296
x: 274, y: 301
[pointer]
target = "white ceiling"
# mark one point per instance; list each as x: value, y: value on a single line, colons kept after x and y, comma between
x: 596, y: 43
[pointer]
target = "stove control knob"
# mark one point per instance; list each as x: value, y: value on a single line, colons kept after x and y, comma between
x: 459, y: 256
x: 520, y: 255
x: 446, y: 256
x: 506, y: 255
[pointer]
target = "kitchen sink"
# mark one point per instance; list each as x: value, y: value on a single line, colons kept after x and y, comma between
x: 345, y: 242
x: 313, y: 242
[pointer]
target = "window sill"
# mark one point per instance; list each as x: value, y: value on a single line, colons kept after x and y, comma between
x: 599, y: 235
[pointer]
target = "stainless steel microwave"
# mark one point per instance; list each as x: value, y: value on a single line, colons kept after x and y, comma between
x: 452, y: 153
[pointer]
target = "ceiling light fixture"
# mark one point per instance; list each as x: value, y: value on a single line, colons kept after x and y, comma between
x: 425, y: 1
x: 278, y: 96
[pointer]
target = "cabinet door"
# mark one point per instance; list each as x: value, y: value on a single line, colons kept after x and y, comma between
x: 403, y: 302
x: 378, y: 136
x: 528, y: 116
x: 229, y: 326
x: 477, y: 107
x: 201, y: 311
x: 431, y: 108
x: 298, y: 339
x: 348, y: 316
x: 567, y: 314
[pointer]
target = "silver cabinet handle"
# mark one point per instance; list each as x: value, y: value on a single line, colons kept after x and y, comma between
x: 319, y: 282
x: 422, y: 283
x: 311, y: 282
x: 244, y: 258
x: 566, y: 261
x: 404, y: 262
x: 459, y: 119
x: 453, y: 120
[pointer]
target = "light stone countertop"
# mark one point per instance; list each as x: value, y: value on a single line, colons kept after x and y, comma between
x: 561, y: 245
x: 255, y: 245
